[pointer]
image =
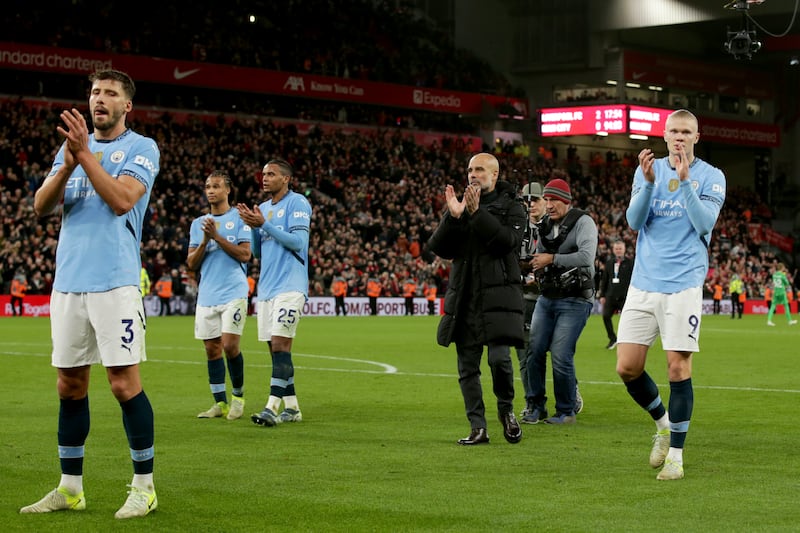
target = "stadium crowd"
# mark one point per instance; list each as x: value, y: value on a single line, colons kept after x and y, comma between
x: 376, y: 198
x: 361, y: 39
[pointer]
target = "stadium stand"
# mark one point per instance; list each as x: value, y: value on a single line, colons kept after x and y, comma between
x: 377, y: 198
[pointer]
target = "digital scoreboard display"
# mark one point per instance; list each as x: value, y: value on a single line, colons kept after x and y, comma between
x: 583, y: 120
x: 648, y: 121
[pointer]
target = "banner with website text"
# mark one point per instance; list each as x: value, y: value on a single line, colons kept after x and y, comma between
x: 39, y: 305
x: 215, y: 76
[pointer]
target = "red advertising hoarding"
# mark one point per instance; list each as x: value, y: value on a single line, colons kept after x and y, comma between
x: 214, y: 76
x: 737, y: 132
x: 699, y: 76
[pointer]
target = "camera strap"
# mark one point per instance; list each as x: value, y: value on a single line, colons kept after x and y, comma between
x: 552, y: 245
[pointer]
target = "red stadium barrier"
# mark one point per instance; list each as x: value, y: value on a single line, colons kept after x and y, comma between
x: 32, y: 305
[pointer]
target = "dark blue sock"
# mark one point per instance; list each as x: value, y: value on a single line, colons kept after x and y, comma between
x: 216, y: 378
x: 681, y: 403
x: 73, y: 428
x: 236, y: 371
x: 282, y: 371
x: 644, y: 391
x: 137, y: 417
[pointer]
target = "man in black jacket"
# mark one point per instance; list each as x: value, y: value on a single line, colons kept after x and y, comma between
x: 482, y: 234
x: 614, y: 288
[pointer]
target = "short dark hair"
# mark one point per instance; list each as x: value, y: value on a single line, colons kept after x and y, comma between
x: 221, y: 174
x: 285, y: 166
x: 116, y: 75
x: 217, y: 173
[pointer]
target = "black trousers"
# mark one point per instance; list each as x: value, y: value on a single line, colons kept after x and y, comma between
x: 612, y: 305
x: 340, y: 307
x: 736, y: 305
x: 409, y: 306
x: 17, y: 301
x: 373, y: 305
x: 522, y: 353
x: 469, y: 378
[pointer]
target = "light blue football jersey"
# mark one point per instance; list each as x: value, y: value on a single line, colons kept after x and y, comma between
x: 283, y: 268
x: 97, y: 249
x: 674, y: 220
x: 222, y: 278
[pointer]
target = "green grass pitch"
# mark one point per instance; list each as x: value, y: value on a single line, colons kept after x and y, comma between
x: 377, y: 449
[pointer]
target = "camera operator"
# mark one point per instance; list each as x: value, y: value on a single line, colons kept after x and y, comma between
x: 564, y: 268
x: 534, y: 203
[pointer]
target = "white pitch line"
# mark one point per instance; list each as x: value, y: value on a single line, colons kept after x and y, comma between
x: 388, y: 369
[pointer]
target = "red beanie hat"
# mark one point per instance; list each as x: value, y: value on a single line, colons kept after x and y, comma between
x: 558, y: 189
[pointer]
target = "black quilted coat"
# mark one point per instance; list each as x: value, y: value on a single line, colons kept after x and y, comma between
x: 485, y: 290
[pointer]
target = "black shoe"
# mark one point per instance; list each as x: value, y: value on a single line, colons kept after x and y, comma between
x: 611, y: 345
x: 511, y: 430
x: 476, y: 436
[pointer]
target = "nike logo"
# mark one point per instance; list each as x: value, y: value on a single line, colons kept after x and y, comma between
x: 179, y: 75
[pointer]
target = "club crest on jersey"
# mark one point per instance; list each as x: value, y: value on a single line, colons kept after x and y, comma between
x: 229, y: 224
x: 281, y: 212
x: 673, y: 185
x: 695, y: 185
x: 98, y: 156
x: 117, y: 156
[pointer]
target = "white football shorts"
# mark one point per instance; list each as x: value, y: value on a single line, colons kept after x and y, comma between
x: 98, y: 327
x: 676, y: 317
x: 280, y: 315
x: 211, y: 322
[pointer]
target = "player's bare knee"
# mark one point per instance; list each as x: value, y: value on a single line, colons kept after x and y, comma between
x: 231, y: 349
x: 627, y: 373
x: 73, y: 383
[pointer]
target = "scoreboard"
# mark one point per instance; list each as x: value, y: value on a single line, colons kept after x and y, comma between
x: 582, y: 120
x: 602, y: 120
x: 647, y: 120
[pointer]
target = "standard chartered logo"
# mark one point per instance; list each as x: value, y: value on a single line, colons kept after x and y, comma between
x: 53, y: 61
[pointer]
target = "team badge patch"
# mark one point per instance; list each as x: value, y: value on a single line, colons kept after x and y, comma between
x: 673, y: 185
x: 117, y: 156
x: 229, y: 225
